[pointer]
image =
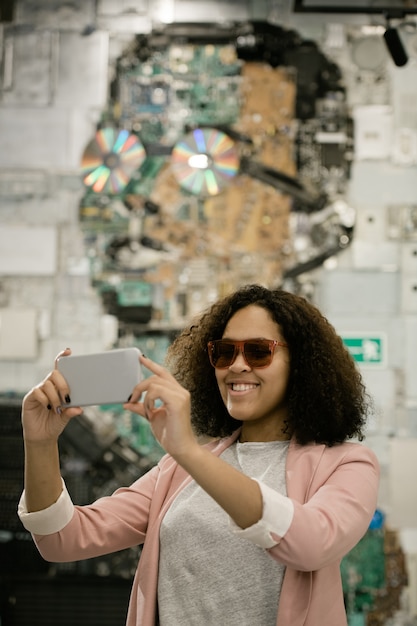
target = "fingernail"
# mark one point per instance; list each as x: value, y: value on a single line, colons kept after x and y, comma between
x: 49, y: 407
x: 58, y: 410
x: 129, y: 398
x: 67, y: 399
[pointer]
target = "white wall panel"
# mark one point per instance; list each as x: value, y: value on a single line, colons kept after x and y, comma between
x: 409, y: 294
x: 410, y: 361
x: 132, y: 16
x: 382, y: 386
x: 403, y: 484
x: 18, y: 334
x: 48, y: 138
x: 33, y: 138
x: 404, y: 96
x: 409, y: 257
x: 19, y: 376
x: 56, y: 204
x: 27, y: 250
x: 374, y: 254
x: 20, y: 186
x: 359, y: 292
x: 381, y: 183
x: 370, y: 223
x: 82, y: 77
x: 190, y: 11
x: 56, y: 14
x: 27, y: 68
x: 372, y: 132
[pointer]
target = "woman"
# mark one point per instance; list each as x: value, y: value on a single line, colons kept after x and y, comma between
x: 249, y: 527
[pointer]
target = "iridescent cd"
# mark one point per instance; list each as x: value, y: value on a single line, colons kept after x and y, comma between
x: 205, y: 161
x: 110, y: 159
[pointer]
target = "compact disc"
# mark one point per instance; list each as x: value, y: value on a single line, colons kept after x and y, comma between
x: 204, y: 161
x: 110, y: 159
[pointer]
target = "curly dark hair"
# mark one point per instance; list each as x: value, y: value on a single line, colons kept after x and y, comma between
x: 326, y: 398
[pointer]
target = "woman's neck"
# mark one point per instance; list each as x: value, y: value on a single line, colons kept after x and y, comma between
x: 255, y: 434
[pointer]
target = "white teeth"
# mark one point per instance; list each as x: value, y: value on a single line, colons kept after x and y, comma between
x: 242, y: 387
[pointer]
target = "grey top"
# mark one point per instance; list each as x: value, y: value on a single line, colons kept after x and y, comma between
x: 207, y: 574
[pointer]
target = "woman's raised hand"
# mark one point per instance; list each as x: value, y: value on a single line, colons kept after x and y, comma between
x: 43, y: 416
x: 166, y: 405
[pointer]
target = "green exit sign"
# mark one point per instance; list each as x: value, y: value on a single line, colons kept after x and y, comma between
x: 367, y: 349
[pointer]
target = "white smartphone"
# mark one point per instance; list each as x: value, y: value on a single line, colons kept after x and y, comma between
x: 101, y: 378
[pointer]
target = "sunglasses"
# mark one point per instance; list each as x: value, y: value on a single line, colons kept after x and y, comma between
x: 256, y: 352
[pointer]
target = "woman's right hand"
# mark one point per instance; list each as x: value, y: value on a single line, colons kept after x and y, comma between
x: 43, y: 416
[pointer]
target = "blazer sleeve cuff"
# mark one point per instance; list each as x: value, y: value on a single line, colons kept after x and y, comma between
x: 50, y: 520
x: 278, y: 512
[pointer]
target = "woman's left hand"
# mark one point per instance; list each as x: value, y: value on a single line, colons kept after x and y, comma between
x: 166, y: 405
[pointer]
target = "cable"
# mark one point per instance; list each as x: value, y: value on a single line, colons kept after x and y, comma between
x: 395, y: 47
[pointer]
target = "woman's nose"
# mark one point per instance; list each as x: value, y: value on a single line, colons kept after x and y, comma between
x: 239, y: 363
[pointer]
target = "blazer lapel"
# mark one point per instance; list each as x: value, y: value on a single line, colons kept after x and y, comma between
x: 302, y: 464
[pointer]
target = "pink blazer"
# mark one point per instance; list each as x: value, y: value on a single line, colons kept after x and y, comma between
x: 334, y: 491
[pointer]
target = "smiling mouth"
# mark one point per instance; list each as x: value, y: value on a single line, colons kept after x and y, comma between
x: 242, y: 386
